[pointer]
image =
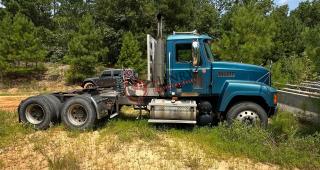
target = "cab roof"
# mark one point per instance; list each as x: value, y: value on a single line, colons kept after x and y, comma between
x: 187, y: 36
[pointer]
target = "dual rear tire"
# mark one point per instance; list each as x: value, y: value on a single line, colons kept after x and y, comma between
x: 45, y: 110
x: 40, y: 111
x: 78, y: 113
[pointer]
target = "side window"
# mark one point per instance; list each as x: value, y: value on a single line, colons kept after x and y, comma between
x: 116, y: 73
x: 106, y: 74
x: 184, y: 53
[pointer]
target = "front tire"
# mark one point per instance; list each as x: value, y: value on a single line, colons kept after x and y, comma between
x: 78, y: 113
x: 248, y: 113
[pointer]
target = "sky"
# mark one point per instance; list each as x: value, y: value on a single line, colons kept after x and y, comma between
x: 291, y: 3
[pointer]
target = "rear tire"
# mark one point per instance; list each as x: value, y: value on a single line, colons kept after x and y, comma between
x: 36, y: 112
x: 89, y: 85
x: 78, y: 113
x: 249, y: 113
x: 55, y: 105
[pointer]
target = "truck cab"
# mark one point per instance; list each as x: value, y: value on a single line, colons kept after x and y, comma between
x: 192, y: 74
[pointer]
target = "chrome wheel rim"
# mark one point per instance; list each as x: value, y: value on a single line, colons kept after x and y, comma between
x: 248, y: 117
x: 77, y: 114
x: 35, y: 114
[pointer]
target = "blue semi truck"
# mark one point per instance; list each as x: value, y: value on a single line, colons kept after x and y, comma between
x: 184, y: 85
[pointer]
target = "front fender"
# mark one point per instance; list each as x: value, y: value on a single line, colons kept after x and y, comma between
x: 233, y: 88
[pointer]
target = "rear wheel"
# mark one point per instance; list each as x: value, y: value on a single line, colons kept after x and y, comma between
x: 55, y: 105
x: 36, y: 111
x: 248, y: 113
x: 78, y: 113
x: 89, y: 85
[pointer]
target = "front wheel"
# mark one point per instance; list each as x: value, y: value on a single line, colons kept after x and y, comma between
x: 248, y: 113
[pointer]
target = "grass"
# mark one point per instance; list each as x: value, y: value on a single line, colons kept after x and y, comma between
x: 128, y: 130
x: 66, y: 161
x: 10, y: 129
x: 286, y: 142
x: 283, y: 143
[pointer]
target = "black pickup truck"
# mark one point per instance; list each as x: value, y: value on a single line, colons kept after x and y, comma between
x: 107, y: 79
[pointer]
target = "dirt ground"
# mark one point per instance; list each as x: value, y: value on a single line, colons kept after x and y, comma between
x: 10, y: 103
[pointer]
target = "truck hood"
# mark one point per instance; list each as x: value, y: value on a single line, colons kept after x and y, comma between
x: 240, y: 71
x: 240, y: 66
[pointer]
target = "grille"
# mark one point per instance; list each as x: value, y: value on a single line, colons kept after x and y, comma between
x: 226, y: 74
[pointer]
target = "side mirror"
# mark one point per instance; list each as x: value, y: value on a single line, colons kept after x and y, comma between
x: 195, y: 53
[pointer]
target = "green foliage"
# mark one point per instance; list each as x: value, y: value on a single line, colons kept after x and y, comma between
x: 287, y: 40
x: 84, y: 50
x: 248, y: 31
x: 285, y: 125
x: 38, y: 11
x: 21, y: 72
x: 130, y: 54
x: 308, y: 12
x: 20, y: 48
x: 249, y: 38
x: 293, y: 70
x: 311, y: 37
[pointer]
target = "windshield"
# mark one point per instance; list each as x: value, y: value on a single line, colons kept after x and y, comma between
x: 208, y: 50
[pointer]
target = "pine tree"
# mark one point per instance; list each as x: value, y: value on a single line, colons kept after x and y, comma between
x: 20, y: 44
x: 130, y: 54
x: 248, y: 34
x: 84, y: 50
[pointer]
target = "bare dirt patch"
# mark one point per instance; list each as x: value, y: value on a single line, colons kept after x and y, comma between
x: 10, y: 103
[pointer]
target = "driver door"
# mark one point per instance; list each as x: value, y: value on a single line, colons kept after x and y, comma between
x: 193, y: 79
